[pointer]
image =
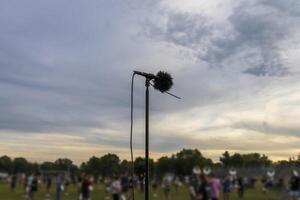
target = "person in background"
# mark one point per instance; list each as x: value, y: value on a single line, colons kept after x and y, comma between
x: 25, y: 185
x: 67, y: 183
x: 125, y: 185
x: 241, y: 187
x: 252, y: 182
x: 59, y: 186
x: 85, y: 188
x: 294, y: 186
x: 28, y: 182
x: 116, y: 188
x: 48, y: 184
x: 141, y: 181
x: 33, y: 187
x: 177, y: 183
x: 131, y: 186
x: 154, y: 184
x: 202, y: 189
x: 264, y: 185
x: 226, y: 188
x: 107, y: 183
x: 79, y: 183
x: 194, y: 184
x: 166, y: 184
x: 215, y: 186
x: 13, y: 182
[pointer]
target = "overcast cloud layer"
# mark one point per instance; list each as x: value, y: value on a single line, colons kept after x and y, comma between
x: 66, y: 70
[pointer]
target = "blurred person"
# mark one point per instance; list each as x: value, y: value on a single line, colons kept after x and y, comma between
x: 107, y: 184
x: 26, y: 186
x: 125, y: 185
x: 59, y: 186
x: 33, y: 187
x: 232, y: 179
x: 202, y: 189
x: 154, y: 184
x: 294, y: 186
x: 86, y: 188
x: 66, y: 184
x: 79, y: 183
x: 28, y: 182
x: 280, y: 183
x: 131, y: 187
x: 13, y: 182
x: 267, y: 185
x: 193, y: 185
x: 226, y: 186
x: 240, y: 187
x: 91, y: 180
x: 215, y: 186
x: 186, y: 180
x: 246, y: 181
x: 116, y: 188
x: 141, y: 181
x: 264, y: 185
x: 48, y: 184
x: 252, y: 182
x: 177, y: 183
x: 166, y: 184
x: 21, y: 178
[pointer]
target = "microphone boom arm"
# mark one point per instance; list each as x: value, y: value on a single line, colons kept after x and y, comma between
x: 169, y: 93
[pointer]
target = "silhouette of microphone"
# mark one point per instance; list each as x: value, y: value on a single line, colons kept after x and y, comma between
x: 163, y: 81
x: 146, y: 75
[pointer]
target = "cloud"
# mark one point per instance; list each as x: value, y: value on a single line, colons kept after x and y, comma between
x: 252, y: 33
x: 269, y: 129
x: 65, y: 70
x: 262, y: 28
x: 291, y: 7
x: 56, y: 74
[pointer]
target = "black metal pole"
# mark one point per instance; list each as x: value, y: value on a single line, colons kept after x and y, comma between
x: 147, y: 141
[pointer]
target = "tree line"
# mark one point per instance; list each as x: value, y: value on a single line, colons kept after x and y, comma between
x: 180, y: 163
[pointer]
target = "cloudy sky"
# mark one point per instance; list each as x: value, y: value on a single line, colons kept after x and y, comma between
x: 65, y: 70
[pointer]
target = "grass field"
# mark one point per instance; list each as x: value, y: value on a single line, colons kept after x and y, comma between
x: 99, y: 194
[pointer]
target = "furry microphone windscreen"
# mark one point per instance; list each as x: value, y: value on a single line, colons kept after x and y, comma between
x: 163, y: 81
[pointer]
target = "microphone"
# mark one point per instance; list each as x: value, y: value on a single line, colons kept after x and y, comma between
x: 163, y: 81
x: 146, y: 75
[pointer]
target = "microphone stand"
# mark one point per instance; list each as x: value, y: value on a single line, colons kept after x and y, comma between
x: 148, y: 77
x: 147, y: 84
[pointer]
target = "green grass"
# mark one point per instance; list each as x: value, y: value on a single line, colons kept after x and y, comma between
x: 99, y: 194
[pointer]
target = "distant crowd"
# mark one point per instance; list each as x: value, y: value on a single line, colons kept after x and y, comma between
x: 201, y: 184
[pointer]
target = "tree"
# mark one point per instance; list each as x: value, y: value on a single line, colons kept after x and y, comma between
x: 140, y: 166
x: 47, y: 166
x: 6, y: 164
x: 109, y: 165
x: 187, y: 159
x: 63, y: 164
x: 125, y: 166
x: 165, y: 165
x: 34, y: 168
x: 256, y: 160
x: 225, y: 159
x: 92, y: 166
x: 21, y: 165
x: 244, y: 160
x: 237, y: 160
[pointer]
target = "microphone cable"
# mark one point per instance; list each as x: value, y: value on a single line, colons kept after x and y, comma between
x: 131, y: 135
